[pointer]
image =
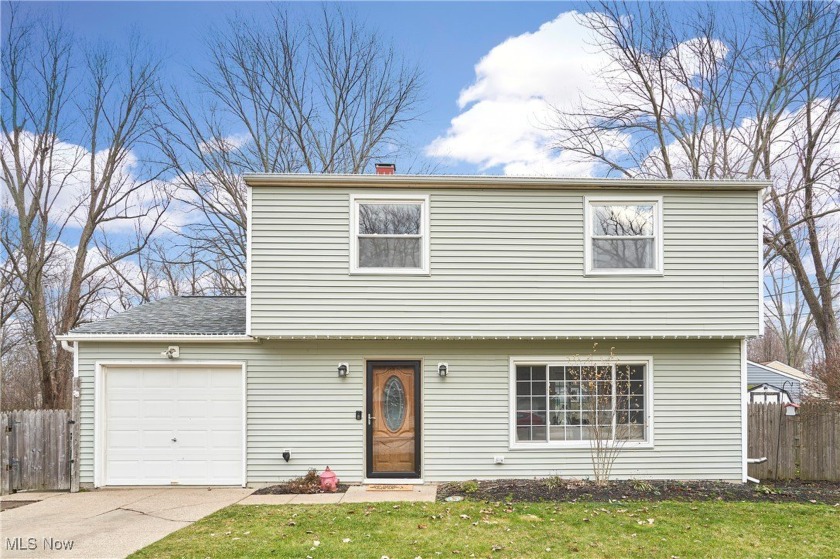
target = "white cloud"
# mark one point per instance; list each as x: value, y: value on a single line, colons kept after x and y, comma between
x: 68, y: 195
x: 226, y: 144
x: 504, y: 111
x: 507, y: 110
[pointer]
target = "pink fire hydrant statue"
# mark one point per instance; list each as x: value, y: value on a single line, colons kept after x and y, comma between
x: 329, y: 481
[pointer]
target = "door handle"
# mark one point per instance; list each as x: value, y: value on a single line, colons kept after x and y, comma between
x: 370, y: 419
x: 174, y: 440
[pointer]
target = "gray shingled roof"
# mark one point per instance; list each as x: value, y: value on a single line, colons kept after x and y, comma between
x: 175, y: 315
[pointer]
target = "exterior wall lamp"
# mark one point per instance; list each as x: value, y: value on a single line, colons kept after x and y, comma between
x: 443, y: 368
x: 342, y: 370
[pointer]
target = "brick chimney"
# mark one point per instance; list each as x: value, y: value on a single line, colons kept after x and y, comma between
x: 385, y: 168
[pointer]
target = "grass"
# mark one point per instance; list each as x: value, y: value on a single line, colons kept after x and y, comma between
x: 498, y: 530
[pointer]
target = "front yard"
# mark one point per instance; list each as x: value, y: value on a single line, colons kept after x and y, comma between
x: 510, y: 530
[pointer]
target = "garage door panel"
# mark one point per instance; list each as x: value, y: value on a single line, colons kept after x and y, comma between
x: 124, y: 438
x: 198, y: 379
x: 222, y: 380
x: 192, y: 409
x: 147, y: 407
x: 224, y: 469
x: 193, y: 439
x: 155, y: 409
x: 124, y: 406
x: 227, y: 412
x: 192, y: 470
x: 157, y: 439
x: 225, y: 440
x: 126, y: 472
x: 121, y: 382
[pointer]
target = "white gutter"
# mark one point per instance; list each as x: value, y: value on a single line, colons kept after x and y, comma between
x: 370, y: 336
x: 198, y: 338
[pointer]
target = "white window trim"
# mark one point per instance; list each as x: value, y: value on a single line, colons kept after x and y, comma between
x: 384, y: 198
x: 658, y: 236
x: 550, y: 360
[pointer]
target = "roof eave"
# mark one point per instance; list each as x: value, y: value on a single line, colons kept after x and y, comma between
x: 481, y: 182
x: 214, y: 338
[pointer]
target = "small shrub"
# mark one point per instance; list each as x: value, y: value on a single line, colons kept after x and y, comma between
x: 641, y: 485
x: 308, y: 483
x: 554, y: 482
x: 766, y: 490
x: 469, y: 487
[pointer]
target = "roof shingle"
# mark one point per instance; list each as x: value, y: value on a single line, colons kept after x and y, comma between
x: 212, y: 316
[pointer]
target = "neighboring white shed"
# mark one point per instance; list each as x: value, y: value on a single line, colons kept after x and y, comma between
x: 779, y: 377
x: 768, y: 394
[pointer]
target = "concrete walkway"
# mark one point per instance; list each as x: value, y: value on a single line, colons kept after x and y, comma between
x: 104, y: 523
x: 355, y: 494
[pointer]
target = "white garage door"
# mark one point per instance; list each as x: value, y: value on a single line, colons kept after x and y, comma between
x: 173, y: 425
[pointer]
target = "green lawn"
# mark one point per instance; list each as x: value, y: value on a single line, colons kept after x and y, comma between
x: 469, y: 529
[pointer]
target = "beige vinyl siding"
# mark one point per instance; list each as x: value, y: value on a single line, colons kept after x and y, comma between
x: 503, y: 263
x: 297, y: 401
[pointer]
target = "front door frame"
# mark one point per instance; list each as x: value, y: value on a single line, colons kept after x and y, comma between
x: 369, y: 365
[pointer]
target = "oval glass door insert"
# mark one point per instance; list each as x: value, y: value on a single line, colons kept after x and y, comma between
x: 393, y: 403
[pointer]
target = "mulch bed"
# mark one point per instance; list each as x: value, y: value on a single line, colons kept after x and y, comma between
x: 568, y: 490
x: 7, y: 505
x: 285, y: 489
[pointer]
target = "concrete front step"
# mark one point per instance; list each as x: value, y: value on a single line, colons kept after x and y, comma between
x: 355, y: 494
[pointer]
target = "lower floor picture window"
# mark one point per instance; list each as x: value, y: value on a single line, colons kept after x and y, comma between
x: 559, y: 402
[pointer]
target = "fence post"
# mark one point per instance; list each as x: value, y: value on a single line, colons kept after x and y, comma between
x: 6, y: 423
x: 74, y: 435
x: 797, y: 444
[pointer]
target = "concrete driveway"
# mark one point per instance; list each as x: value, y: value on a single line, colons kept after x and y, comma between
x: 104, y: 523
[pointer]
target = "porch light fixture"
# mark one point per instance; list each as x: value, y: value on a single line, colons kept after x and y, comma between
x: 342, y: 370
x: 443, y: 368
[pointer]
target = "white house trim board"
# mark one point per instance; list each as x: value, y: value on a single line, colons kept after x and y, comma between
x: 647, y: 444
x: 761, y: 262
x: 99, y: 407
x: 744, y: 407
x: 659, y: 244
x: 249, y: 201
x: 384, y: 198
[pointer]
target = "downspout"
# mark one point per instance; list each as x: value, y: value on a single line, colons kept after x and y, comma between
x: 74, y: 349
x: 67, y: 347
x: 74, y: 420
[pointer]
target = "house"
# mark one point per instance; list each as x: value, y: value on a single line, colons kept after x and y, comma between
x: 775, y: 382
x: 434, y: 328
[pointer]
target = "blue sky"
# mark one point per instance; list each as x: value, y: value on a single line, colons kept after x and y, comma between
x: 447, y: 39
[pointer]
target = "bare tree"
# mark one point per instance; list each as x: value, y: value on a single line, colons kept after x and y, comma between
x: 290, y: 94
x: 768, y: 347
x: 691, y: 97
x: 61, y: 192
x: 790, y: 324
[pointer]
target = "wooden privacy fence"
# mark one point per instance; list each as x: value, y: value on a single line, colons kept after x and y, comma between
x: 36, y: 450
x: 805, y: 446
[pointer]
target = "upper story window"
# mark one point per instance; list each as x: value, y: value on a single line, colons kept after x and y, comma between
x: 623, y: 236
x: 390, y: 235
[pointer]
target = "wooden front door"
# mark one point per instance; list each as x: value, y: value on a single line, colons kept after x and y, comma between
x: 393, y: 419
